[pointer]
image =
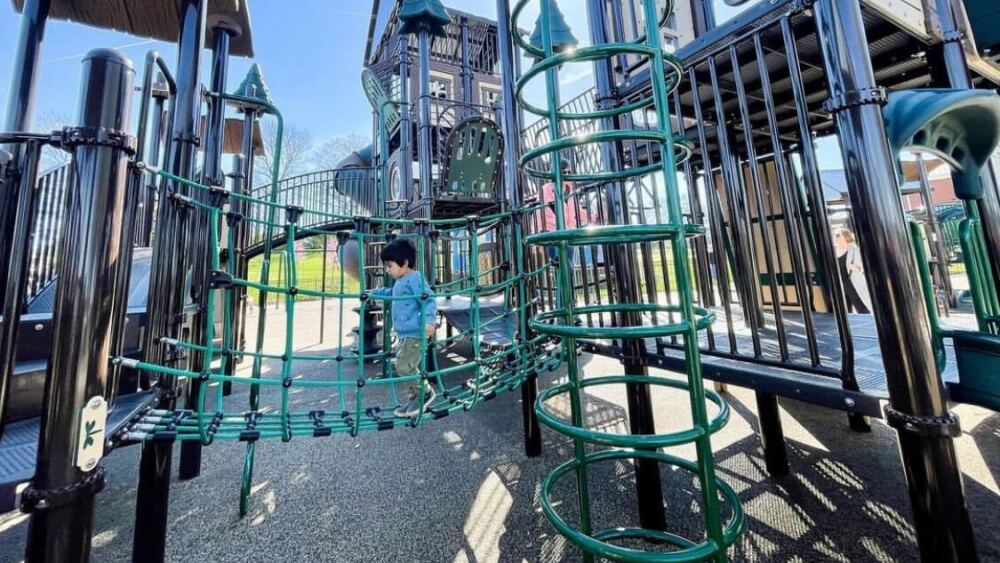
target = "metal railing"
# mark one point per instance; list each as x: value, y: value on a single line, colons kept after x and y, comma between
x: 767, y: 264
x: 348, y: 192
x: 46, y: 228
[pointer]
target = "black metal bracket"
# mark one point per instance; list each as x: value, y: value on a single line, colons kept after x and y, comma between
x: 799, y: 6
x: 37, y: 500
x: 218, y: 279
x: 927, y: 426
x: 855, y: 98
x: 293, y: 213
x: 953, y: 36
x: 188, y: 138
x: 609, y: 101
x: 71, y: 137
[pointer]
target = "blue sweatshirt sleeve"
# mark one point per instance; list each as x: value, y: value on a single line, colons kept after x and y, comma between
x: 382, y: 291
x: 430, y: 306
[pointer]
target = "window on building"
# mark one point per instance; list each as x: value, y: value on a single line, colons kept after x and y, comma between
x: 488, y: 95
x: 441, y: 87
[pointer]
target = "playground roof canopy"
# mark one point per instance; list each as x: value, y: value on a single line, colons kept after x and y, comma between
x: 156, y: 19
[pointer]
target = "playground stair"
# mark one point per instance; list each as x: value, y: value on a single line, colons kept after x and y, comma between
x: 19, y: 445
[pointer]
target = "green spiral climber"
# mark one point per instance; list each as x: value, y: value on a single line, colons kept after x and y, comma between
x: 543, y: 163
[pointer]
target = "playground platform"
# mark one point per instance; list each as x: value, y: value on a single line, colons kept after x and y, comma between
x: 732, y: 361
x: 461, y: 488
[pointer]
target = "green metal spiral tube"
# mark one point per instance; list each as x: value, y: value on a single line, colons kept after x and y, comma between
x: 543, y: 163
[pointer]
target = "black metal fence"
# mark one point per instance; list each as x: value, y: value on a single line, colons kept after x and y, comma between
x: 46, y: 228
x: 344, y: 191
x: 751, y: 107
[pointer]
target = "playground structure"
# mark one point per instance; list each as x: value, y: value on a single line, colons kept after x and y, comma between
x: 651, y: 282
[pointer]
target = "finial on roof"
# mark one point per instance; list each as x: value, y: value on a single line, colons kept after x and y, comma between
x: 562, y: 35
x: 428, y: 14
x: 253, y: 85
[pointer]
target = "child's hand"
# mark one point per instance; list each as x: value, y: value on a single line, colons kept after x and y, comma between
x: 430, y: 330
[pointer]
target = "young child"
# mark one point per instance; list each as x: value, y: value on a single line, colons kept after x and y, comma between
x: 400, y: 258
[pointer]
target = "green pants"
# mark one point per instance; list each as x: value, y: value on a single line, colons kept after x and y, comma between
x: 408, y: 352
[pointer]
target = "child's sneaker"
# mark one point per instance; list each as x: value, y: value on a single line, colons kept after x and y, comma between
x: 414, y: 406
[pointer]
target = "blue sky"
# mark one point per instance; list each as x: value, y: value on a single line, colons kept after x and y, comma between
x: 311, y: 57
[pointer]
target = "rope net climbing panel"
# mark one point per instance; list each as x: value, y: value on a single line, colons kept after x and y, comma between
x: 351, y: 386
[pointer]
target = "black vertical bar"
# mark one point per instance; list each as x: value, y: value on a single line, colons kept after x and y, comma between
x: 17, y: 269
x: 189, y: 466
x: 145, y: 225
x: 941, y: 254
x: 772, y: 438
x: 20, y: 110
x: 133, y: 196
x: 24, y: 70
x: 758, y: 197
x: 916, y: 394
x: 515, y: 197
x: 405, y: 158
x: 817, y: 211
x: 788, y: 206
x: 745, y: 266
x: 60, y: 529
x: 165, y: 317
x: 466, y: 71
x: 717, y: 220
x: 648, y: 486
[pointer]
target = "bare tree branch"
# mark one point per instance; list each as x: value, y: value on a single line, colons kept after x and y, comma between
x: 296, y: 146
x: 47, y: 122
x: 336, y: 149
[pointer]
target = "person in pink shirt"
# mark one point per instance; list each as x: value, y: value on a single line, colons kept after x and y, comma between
x: 573, y: 217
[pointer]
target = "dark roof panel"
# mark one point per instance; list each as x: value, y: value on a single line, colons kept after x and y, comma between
x: 151, y: 18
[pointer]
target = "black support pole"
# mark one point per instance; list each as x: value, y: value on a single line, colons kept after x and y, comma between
x: 20, y: 109
x: 511, y: 124
x: 917, y: 405
x: 189, y: 465
x: 17, y: 269
x: 167, y: 279
x: 68, y: 473
x: 634, y: 358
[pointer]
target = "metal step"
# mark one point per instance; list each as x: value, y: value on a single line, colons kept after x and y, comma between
x: 19, y: 446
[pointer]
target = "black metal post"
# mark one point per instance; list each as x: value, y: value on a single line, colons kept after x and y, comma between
x: 466, y: 73
x: 20, y: 110
x: 168, y: 273
x: 69, y: 448
x: 949, y: 67
x: 424, y: 154
x: 237, y: 227
x: 640, y: 406
x: 772, y: 437
x: 405, y: 159
x: 511, y: 125
x: 189, y: 466
x: 917, y: 404
x: 937, y: 242
x: 144, y: 227
x: 17, y: 269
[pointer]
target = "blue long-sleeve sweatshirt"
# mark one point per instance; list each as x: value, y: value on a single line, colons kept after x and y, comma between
x: 406, y: 312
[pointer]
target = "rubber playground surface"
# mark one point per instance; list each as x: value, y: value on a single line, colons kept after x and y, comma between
x: 461, y: 489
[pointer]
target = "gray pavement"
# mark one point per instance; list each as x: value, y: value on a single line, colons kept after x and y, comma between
x: 461, y: 489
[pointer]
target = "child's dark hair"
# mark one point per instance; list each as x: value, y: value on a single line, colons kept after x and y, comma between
x: 401, y: 252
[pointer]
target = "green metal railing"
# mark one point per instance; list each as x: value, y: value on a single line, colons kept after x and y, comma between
x: 985, y: 300
x: 544, y: 163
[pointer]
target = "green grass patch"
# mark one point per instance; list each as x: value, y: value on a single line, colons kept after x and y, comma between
x: 309, y: 270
